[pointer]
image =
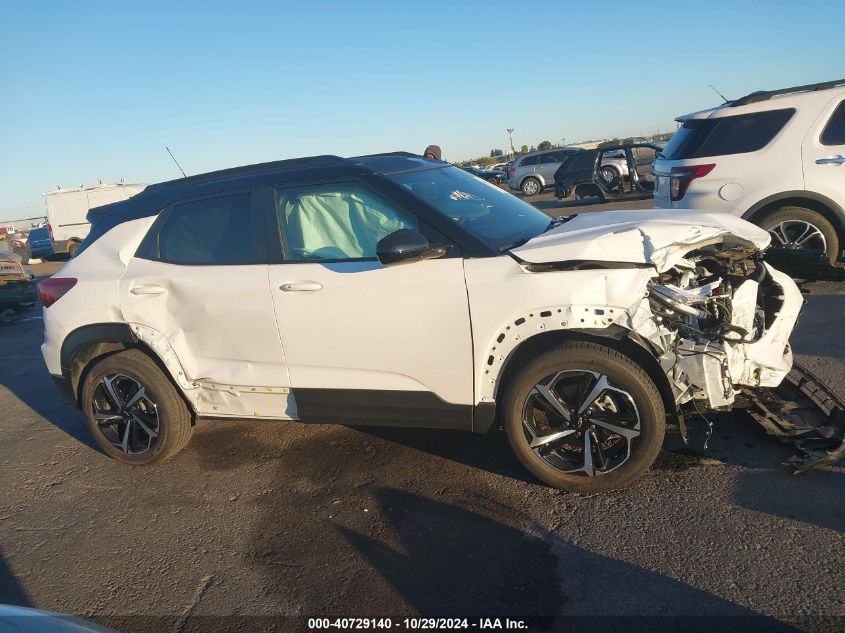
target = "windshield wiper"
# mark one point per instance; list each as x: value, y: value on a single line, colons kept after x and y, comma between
x: 518, y: 243
x: 558, y: 221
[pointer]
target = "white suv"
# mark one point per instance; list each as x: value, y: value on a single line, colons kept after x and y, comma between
x: 395, y: 290
x: 774, y: 158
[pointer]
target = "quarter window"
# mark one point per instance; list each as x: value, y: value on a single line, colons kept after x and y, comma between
x: 209, y: 231
x: 834, y: 131
x: 698, y: 138
x: 335, y: 222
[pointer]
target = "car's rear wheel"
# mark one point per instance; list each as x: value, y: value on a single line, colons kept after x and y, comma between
x: 608, y: 174
x: 531, y: 187
x: 798, y: 228
x: 585, y: 418
x: 133, y: 411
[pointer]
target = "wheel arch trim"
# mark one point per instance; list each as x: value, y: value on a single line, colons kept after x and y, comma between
x: 547, y: 327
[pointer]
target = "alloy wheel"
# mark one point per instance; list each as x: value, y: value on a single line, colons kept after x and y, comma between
x: 579, y: 422
x: 608, y: 174
x: 530, y: 187
x: 798, y: 234
x: 125, y: 414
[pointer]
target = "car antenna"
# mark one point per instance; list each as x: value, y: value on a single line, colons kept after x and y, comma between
x: 718, y: 93
x: 176, y: 161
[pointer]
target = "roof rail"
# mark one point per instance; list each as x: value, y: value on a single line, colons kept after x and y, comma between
x: 765, y: 95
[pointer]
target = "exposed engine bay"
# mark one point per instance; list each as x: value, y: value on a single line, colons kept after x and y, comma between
x: 720, y: 305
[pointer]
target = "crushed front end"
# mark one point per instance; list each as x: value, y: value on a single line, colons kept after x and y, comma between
x: 722, y: 320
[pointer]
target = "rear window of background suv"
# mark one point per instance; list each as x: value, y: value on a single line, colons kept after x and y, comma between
x: 739, y: 134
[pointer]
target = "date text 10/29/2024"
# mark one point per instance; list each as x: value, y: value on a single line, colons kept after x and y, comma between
x: 418, y: 624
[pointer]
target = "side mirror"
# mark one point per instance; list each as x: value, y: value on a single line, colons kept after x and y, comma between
x: 406, y: 246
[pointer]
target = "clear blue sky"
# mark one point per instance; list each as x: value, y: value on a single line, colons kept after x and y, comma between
x: 95, y: 90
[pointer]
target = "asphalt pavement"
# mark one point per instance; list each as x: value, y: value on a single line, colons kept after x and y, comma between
x: 259, y: 525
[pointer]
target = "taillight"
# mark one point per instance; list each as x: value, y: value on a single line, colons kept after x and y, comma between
x: 681, y: 177
x: 50, y: 230
x: 54, y: 288
x: 511, y: 171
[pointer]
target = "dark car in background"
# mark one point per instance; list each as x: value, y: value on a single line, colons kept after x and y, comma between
x: 41, y: 244
x: 608, y: 172
x: 494, y: 176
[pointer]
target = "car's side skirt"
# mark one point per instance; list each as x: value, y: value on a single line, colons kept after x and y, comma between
x: 419, y: 409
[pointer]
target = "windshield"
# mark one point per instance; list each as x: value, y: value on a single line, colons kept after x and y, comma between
x: 496, y: 217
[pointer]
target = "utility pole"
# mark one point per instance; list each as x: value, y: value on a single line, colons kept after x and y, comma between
x: 510, y: 140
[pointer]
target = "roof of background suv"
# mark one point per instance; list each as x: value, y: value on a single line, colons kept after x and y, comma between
x: 565, y: 148
x: 809, y: 95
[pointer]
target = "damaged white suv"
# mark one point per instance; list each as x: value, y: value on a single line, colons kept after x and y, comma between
x: 395, y: 290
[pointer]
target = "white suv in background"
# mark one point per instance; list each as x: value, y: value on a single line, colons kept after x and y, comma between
x: 395, y: 290
x: 775, y: 158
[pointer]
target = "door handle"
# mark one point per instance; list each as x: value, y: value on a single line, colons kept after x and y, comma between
x: 148, y: 289
x: 831, y: 160
x: 300, y: 286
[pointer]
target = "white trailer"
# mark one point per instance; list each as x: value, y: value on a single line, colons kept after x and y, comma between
x: 67, y: 210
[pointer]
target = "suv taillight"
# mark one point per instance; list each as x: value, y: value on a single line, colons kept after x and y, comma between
x: 511, y: 171
x: 681, y: 177
x: 50, y: 231
x: 54, y: 288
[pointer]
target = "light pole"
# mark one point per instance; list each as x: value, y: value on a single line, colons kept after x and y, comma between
x: 510, y: 140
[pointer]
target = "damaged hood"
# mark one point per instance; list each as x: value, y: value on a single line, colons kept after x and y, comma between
x: 659, y: 237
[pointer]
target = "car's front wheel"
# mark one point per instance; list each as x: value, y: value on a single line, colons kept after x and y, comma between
x: 531, y: 187
x: 133, y: 411
x: 797, y: 228
x: 584, y: 418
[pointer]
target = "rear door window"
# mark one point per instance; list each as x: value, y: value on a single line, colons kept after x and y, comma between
x: 209, y: 231
x: 834, y: 131
x: 698, y: 138
x: 531, y: 160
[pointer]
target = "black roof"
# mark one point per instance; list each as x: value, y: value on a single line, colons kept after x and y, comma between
x: 765, y: 95
x: 156, y: 197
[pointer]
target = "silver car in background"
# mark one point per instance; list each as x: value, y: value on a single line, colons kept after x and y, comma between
x: 533, y: 172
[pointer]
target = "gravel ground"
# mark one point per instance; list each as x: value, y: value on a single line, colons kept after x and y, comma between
x: 258, y: 525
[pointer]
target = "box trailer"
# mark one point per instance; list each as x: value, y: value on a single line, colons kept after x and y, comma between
x: 67, y: 208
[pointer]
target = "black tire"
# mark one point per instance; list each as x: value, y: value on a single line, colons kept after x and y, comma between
x: 622, y: 372
x: 803, y: 215
x: 531, y: 187
x: 71, y: 248
x: 493, y: 180
x: 173, y: 416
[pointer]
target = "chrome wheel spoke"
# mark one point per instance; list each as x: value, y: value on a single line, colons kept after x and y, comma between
x: 546, y: 440
x: 601, y: 385
x: 627, y: 433
x: 108, y: 386
x: 550, y: 398
x: 140, y: 422
x: 124, y: 444
x: 588, y: 456
x: 108, y: 418
x: 140, y: 393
